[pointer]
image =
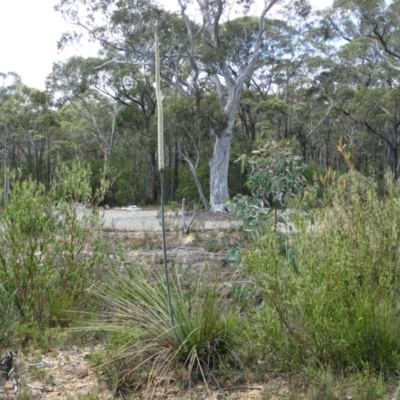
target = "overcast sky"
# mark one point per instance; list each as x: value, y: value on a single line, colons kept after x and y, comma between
x: 29, y: 31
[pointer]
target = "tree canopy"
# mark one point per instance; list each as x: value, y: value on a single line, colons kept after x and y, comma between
x: 231, y: 81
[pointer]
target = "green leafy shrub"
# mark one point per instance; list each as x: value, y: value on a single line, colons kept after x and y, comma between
x: 312, y: 171
x: 274, y: 178
x: 203, y: 337
x: 50, y: 253
x: 355, y: 187
x: 340, y: 312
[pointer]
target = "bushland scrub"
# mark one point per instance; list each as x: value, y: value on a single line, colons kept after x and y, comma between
x: 335, y: 318
x: 315, y: 307
x: 49, y: 256
x: 318, y: 307
x: 329, y: 288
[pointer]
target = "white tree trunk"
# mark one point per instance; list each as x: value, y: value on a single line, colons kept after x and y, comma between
x: 219, y: 165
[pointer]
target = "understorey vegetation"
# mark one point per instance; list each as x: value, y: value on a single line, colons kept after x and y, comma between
x: 283, y: 117
x: 51, y: 251
x: 311, y: 298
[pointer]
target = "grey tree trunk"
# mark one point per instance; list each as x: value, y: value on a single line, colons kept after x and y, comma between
x: 219, y: 163
x: 219, y: 166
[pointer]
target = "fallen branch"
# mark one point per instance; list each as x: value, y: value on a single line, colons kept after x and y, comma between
x: 41, y: 388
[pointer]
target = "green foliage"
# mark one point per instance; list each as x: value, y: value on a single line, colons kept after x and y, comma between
x: 354, y: 187
x: 274, y: 105
x: 123, y: 193
x: 205, y: 334
x: 274, y: 174
x: 361, y: 386
x: 340, y: 312
x: 311, y: 172
x: 187, y: 189
x: 49, y: 251
x: 188, y: 120
x: 8, y: 317
x: 188, y: 123
x: 274, y: 177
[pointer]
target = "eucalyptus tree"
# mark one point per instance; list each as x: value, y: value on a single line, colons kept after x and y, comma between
x: 370, y: 39
x: 8, y: 122
x: 188, y: 125
x: 72, y: 83
x: 44, y: 125
x: 192, y: 51
x: 377, y: 21
x: 28, y: 126
x: 294, y: 99
x: 280, y: 54
x: 129, y: 86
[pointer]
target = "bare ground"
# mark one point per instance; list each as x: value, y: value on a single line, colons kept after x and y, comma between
x: 138, y: 220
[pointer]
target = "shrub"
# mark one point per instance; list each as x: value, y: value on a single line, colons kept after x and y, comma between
x: 355, y: 187
x: 341, y: 310
x: 274, y: 178
x: 49, y: 251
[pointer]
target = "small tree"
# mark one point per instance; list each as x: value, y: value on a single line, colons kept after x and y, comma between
x: 274, y: 177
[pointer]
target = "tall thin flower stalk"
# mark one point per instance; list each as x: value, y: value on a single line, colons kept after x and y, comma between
x: 161, y: 168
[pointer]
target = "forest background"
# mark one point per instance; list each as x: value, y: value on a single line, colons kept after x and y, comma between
x: 229, y: 85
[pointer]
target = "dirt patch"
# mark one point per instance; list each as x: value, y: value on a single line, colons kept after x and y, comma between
x: 67, y: 375
x: 61, y: 374
x: 136, y: 219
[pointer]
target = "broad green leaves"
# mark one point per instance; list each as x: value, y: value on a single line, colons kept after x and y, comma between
x: 274, y: 177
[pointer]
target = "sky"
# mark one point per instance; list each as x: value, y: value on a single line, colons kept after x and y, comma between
x: 29, y: 31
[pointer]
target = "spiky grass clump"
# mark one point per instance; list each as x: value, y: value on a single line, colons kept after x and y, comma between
x: 203, y: 337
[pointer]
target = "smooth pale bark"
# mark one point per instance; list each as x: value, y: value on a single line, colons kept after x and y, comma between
x: 219, y: 166
x: 228, y: 83
x: 219, y: 163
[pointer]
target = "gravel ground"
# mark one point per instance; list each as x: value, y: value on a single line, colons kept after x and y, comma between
x: 131, y: 220
x: 139, y: 220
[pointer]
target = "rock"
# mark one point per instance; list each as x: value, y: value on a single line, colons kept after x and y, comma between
x: 82, y: 373
x: 8, y: 386
x: 79, y: 386
x: 35, y: 394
